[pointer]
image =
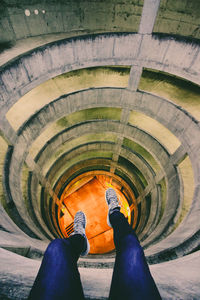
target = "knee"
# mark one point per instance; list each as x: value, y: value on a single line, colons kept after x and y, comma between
x: 131, y: 242
x: 56, y: 247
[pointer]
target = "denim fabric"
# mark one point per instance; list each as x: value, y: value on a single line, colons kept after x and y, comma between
x: 131, y: 279
x: 59, y: 278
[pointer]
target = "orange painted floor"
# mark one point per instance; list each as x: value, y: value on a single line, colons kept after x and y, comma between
x: 90, y: 198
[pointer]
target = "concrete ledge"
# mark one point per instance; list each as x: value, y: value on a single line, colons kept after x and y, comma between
x: 21, y: 75
x: 96, y: 126
x: 112, y: 98
x: 182, y: 241
x: 169, y: 278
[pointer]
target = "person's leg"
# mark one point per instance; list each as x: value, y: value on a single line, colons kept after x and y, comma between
x: 58, y: 276
x: 131, y: 277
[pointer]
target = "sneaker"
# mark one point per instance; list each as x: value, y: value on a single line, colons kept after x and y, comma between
x: 79, y: 228
x: 112, y: 201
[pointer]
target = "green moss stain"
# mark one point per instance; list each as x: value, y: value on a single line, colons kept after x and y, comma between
x: 187, y: 175
x: 143, y: 152
x: 74, y: 118
x: 178, y: 17
x: 3, y: 150
x: 82, y: 157
x: 181, y: 92
x: 70, y: 145
x: 95, y: 71
x: 24, y: 184
x: 90, y: 114
x: 163, y: 190
x: 134, y: 170
x: 64, y: 84
x: 155, y: 129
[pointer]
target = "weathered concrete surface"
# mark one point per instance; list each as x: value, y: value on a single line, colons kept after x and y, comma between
x: 149, y: 14
x: 136, y: 101
x: 20, y: 243
x: 68, y: 17
x: 178, y: 17
x: 179, y: 279
x: 16, y: 278
x: 135, y: 76
x: 61, y: 139
x: 63, y: 19
x: 177, y: 56
x: 7, y: 224
x: 183, y: 240
x: 47, y: 62
x: 169, y: 277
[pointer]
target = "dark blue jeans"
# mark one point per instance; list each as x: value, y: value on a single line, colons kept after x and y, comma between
x: 58, y: 277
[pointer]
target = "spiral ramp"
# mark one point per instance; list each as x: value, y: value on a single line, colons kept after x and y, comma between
x: 99, y: 94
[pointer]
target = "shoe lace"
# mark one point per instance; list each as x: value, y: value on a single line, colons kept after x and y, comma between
x: 79, y: 223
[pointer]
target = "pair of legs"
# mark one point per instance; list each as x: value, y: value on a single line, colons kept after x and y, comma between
x: 58, y: 277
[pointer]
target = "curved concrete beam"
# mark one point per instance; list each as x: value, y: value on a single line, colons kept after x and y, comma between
x: 23, y: 74
x: 151, y: 105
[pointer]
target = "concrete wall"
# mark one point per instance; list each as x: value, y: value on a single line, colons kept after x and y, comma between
x: 18, y: 76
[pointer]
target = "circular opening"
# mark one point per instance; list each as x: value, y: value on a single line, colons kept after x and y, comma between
x: 87, y: 193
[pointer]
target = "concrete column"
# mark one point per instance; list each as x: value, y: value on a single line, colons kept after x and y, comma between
x: 145, y: 192
x: 44, y: 182
x: 113, y: 167
x: 149, y: 14
x: 159, y: 177
x: 134, y: 78
x: 178, y: 156
x: 7, y: 131
x: 175, y: 159
x: 125, y: 116
x: 124, y: 120
x: 117, y: 149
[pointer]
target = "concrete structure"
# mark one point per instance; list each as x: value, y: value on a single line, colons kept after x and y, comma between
x: 109, y: 90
